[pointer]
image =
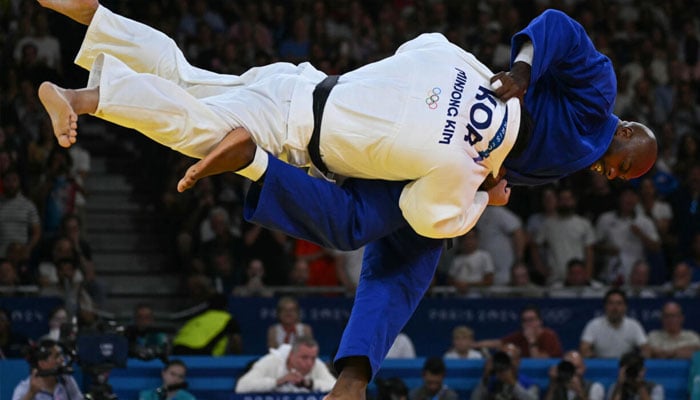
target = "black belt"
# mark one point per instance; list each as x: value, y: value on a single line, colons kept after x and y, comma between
x: 321, y: 93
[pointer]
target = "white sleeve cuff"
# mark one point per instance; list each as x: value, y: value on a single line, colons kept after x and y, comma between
x: 257, y: 167
x: 526, y: 54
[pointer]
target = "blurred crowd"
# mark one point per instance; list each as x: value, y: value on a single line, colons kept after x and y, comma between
x: 575, y: 238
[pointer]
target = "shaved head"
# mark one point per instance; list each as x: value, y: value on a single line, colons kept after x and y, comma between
x: 631, y: 153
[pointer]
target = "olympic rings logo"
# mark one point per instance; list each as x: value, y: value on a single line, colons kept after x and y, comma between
x: 433, y: 98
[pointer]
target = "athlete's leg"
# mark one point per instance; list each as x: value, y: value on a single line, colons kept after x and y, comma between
x: 156, y: 107
x: 142, y: 48
x: 396, y: 273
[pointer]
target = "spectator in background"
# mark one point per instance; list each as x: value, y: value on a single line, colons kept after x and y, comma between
x: 576, y: 283
x: 214, y: 332
x: 299, y: 274
x: 288, y: 369
x: 221, y: 251
x: 686, y: 213
x: 46, y: 356
x: 672, y: 341
x: 502, y: 379
x: 681, y: 284
x: 19, y: 257
x: 9, y: 279
x: 271, y: 248
x: 630, y: 382
x: 12, y: 344
x: 402, y: 347
x: 533, y: 339
x: 693, y: 259
x: 471, y: 267
x: 173, y: 383
x: 502, y: 236
x: 613, y: 334
x: 567, y: 381
x: 433, y: 387
x: 535, y: 221
x: 462, y: 344
x: 48, y: 270
x: 661, y: 214
x: 323, y: 270
x: 598, y: 197
x: 289, y: 326
x: 19, y: 218
x: 520, y: 281
x: 624, y: 236
x: 254, y: 285
x: 56, y: 191
x: 391, y: 389
x: 76, y: 299
x: 57, y: 318
x: 566, y: 236
x: 143, y: 331
x: 79, y: 171
x: 638, y: 284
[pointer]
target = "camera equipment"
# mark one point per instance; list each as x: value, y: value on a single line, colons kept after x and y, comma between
x: 100, y: 350
x: 565, y: 372
x: 162, y: 391
x: 634, y: 364
x: 501, y: 362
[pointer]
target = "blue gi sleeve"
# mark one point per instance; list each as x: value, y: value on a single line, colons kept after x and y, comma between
x: 342, y: 217
x: 564, y: 51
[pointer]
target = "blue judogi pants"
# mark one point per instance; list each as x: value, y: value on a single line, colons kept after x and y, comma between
x: 398, y: 264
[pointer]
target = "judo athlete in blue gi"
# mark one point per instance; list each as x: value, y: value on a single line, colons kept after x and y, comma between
x: 570, y: 95
x: 399, y: 264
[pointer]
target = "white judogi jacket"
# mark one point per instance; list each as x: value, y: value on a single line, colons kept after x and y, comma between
x: 425, y: 114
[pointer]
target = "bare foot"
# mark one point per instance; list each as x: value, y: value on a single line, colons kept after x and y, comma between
x: 235, y: 151
x: 63, y: 118
x: 78, y: 10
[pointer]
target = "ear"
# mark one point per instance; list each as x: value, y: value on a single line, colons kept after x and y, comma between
x: 625, y: 132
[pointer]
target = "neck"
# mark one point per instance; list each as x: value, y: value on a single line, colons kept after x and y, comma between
x: 524, y: 133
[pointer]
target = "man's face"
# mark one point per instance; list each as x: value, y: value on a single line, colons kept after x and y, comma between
x: 566, y: 203
x: 143, y: 317
x: 576, y: 275
x: 288, y: 313
x: 11, y: 184
x: 432, y: 382
x: 575, y: 358
x: 681, y: 276
x: 530, y: 320
x: 53, y: 361
x: 672, y: 318
x: 520, y: 276
x: 615, y: 308
x: 631, y: 153
x: 303, y: 358
x: 173, y: 375
x: 8, y: 275
x: 462, y: 342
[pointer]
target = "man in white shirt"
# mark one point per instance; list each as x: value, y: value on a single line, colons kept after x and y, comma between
x: 289, y: 369
x: 672, y: 341
x: 613, y: 334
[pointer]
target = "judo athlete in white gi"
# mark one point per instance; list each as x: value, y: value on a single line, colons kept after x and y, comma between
x: 439, y: 123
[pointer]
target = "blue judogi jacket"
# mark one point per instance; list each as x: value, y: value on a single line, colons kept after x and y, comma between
x: 571, y: 98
